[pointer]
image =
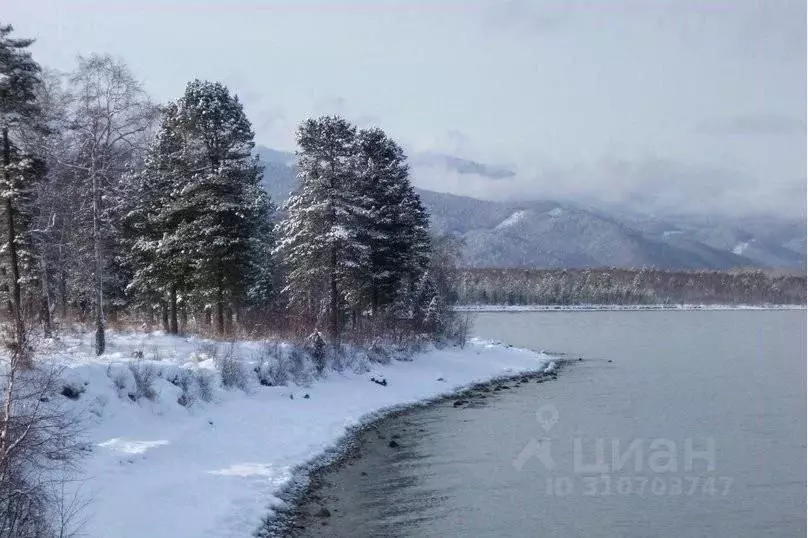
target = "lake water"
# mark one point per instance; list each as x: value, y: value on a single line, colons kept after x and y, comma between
x: 675, y: 424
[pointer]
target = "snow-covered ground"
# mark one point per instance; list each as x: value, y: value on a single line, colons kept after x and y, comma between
x: 214, y: 466
x: 611, y: 307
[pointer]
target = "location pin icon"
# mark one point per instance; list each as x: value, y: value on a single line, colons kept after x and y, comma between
x: 547, y: 415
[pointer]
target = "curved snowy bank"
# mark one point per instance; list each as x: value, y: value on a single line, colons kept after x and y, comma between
x: 165, y: 462
x: 304, y: 488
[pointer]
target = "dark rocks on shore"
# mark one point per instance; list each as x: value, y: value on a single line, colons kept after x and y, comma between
x: 310, y: 505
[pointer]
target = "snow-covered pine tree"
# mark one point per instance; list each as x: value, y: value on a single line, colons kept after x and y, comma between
x: 320, y: 243
x: 218, y: 219
x: 261, y: 288
x: 19, y: 112
x: 395, y: 221
x: 160, y: 269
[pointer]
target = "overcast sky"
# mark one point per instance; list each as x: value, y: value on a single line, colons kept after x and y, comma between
x: 677, y: 103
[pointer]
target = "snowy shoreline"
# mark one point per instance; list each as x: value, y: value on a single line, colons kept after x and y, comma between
x: 221, y: 465
x: 630, y: 308
x: 298, y: 492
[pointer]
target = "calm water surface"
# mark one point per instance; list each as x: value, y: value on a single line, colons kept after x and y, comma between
x: 553, y: 459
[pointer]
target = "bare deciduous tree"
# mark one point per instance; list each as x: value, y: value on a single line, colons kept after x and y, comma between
x: 39, y: 449
x: 110, y: 120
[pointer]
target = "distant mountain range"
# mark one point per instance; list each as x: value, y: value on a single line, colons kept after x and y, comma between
x: 553, y: 234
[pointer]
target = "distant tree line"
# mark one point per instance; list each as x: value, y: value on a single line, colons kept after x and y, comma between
x: 627, y: 286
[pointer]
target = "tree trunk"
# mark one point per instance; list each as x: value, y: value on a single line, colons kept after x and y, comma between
x: 63, y: 285
x: 7, y: 293
x: 19, y: 326
x: 164, y: 316
x: 219, y: 316
x: 334, y: 299
x: 184, y: 317
x: 46, y: 300
x: 228, y: 320
x: 100, y: 343
x: 374, y: 301
x: 173, y: 326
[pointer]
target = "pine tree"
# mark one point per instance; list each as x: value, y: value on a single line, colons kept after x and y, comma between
x: 19, y: 110
x: 320, y: 241
x: 395, y: 223
x: 216, y: 222
x: 159, y: 274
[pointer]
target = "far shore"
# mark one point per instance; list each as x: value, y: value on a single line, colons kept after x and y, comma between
x: 619, y: 307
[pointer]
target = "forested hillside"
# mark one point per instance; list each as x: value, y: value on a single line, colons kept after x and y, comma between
x: 627, y: 286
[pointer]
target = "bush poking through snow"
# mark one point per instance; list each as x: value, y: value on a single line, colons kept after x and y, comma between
x: 271, y: 369
x: 378, y: 352
x: 186, y: 381
x: 184, y: 400
x: 120, y: 379
x: 337, y: 358
x: 208, y: 350
x: 205, y: 381
x: 155, y: 354
x: 357, y: 361
x: 39, y: 452
x: 144, y: 374
x: 232, y: 370
x: 317, y: 347
x: 298, y: 366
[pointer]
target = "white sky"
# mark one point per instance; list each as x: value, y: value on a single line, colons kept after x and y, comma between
x: 685, y: 101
